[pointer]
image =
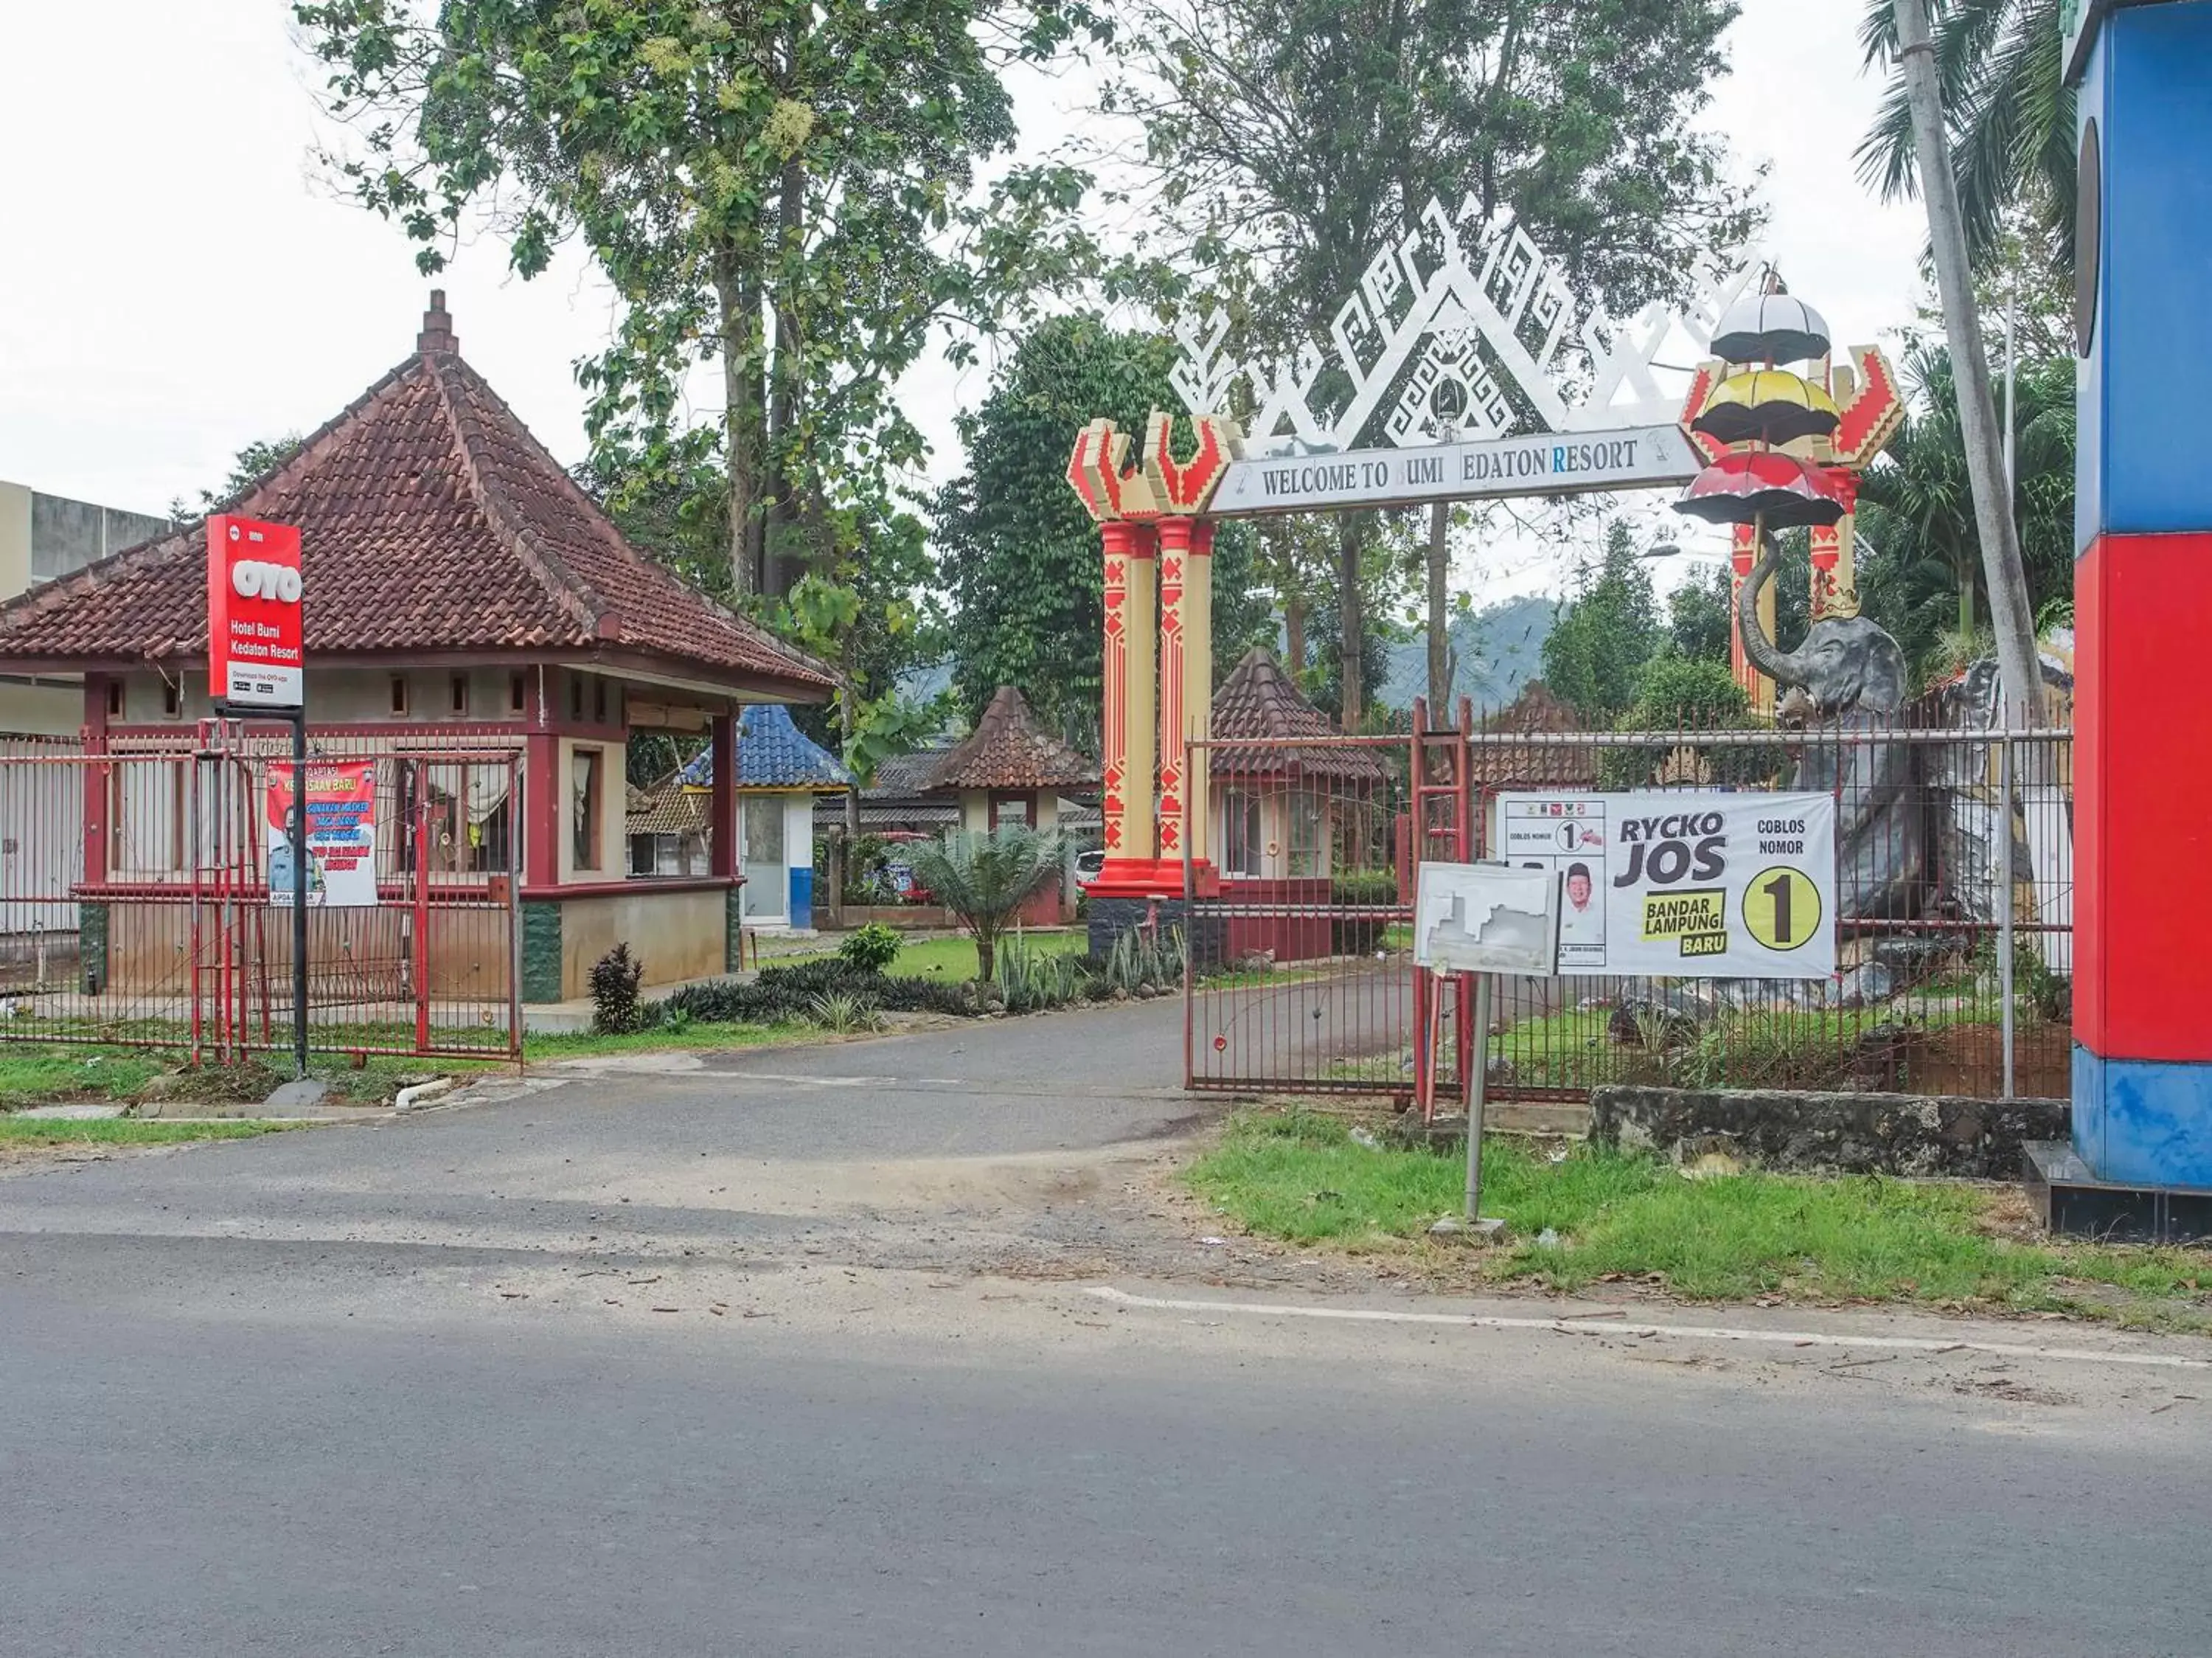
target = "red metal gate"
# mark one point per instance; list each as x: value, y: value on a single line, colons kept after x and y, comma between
x: 135, y: 904
x: 1300, y: 975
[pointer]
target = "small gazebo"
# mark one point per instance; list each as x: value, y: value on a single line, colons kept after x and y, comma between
x: 1282, y: 812
x: 464, y: 595
x: 1010, y: 771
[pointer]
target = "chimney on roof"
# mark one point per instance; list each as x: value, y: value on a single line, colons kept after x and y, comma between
x: 437, y: 333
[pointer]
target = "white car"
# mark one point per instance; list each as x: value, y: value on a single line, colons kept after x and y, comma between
x: 1088, y: 864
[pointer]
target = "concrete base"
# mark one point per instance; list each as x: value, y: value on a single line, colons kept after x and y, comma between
x: 2069, y: 1200
x: 2145, y: 1123
x: 1110, y: 917
x: 295, y: 1095
x: 1911, y: 1134
x: 1487, y: 1230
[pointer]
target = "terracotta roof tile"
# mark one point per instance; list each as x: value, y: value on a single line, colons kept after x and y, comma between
x: 1007, y: 750
x: 430, y: 520
x: 1499, y: 763
x: 1258, y: 701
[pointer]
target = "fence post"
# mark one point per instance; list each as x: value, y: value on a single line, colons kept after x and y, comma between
x: 2005, y: 902
x: 421, y: 832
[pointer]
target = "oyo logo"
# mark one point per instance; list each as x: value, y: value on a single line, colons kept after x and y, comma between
x: 252, y: 578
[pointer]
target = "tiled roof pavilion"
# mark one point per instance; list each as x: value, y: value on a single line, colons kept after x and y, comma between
x: 1258, y: 702
x: 434, y: 528
x: 772, y: 752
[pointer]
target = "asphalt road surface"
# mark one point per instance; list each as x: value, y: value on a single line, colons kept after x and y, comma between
x: 408, y: 1390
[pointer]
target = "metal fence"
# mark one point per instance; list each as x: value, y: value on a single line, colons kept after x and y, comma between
x: 135, y: 904
x: 1955, y: 926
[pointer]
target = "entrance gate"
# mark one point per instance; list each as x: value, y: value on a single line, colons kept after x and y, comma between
x: 1300, y: 974
x: 134, y: 906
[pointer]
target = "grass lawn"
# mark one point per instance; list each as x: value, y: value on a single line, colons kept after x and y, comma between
x: 19, y: 1132
x: 583, y: 1044
x: 954, y: 959
x: 33, y: 1075
x: 1302, y: 1178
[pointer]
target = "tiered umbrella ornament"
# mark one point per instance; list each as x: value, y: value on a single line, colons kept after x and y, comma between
x: 1757, y: 412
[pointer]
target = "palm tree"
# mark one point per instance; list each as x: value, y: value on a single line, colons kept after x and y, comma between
x: 1919, y: 568
x: 2008, y: 112
x: 985, y: 879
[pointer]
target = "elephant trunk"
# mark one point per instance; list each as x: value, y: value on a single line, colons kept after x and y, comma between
x: 1782, y: 667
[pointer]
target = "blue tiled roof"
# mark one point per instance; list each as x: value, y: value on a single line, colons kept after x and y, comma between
x: 772, y: 754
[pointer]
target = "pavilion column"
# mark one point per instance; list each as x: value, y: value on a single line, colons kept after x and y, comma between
x: 722, y: 799
x: 1125, y: 735
x: 95, y: 780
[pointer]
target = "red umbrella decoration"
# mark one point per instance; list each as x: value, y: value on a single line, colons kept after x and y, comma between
x: 1763, y: 485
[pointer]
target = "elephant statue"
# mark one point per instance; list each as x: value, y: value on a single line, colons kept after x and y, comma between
x: 1849, y: 677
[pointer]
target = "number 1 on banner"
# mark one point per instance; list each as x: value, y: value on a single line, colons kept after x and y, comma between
x: 1782, y: 908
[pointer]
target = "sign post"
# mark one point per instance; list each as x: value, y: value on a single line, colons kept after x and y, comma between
x: 1483, y: 919
x: 257, y: 667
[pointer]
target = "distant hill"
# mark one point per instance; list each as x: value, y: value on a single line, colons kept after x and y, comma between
x: 1497, y: 651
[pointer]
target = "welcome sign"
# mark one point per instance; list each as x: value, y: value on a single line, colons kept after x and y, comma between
x: 1540, y: 464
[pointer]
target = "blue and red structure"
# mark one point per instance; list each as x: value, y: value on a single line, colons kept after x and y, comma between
x: 2142, y: 824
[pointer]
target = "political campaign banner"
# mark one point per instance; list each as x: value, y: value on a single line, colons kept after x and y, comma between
x: 341, y: 834
x: 1684, y: 884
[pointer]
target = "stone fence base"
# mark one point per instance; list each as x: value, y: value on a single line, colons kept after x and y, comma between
x: 1904, y: 1134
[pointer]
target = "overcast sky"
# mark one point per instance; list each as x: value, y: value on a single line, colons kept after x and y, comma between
x: 178, y: 280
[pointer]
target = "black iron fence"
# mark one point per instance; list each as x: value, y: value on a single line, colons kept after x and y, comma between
x: 1954, y: 925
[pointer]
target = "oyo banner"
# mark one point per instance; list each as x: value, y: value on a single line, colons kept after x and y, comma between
x: 341, y: 834
x: 255, y: 655
x: 1684, y: 884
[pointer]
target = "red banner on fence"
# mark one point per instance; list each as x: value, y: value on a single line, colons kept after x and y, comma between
x: 341, y: 834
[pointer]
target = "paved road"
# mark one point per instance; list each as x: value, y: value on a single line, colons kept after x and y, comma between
x: 437, y: 1388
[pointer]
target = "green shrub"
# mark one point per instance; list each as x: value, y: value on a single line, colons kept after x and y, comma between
x: 787, y: 994
x: 615, y: 978
x: 1687, y: 695
x: 1030, y: 982
x: 844, y: 1014
x: 873, y: 948
x: 1363, y: 886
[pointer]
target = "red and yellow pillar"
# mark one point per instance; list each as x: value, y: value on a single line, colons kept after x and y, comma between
x: 1158, y: 656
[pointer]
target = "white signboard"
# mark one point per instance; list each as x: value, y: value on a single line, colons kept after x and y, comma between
x: 1540, y: 464
x: 1685, y: 884
x: 1485, y: 917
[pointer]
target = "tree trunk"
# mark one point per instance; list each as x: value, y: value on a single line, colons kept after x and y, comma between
x: 744, y: 425
x: 786, y: 560
x: 846, y: 720
x: 2010, y: 614
x: 1350, y: 623
x: 1439, y: 607
x: 987, y: 954
x: 1294, y: 633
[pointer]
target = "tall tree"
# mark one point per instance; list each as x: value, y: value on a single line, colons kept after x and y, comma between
x: 1018, y: 559
x: 2011, y: 617
x: 2007, y: 110
x: 1698, y: 615
x: 1919, y: 563
x: 1607, y: 631
x: 1292, y: 141
x: 783, y: 186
